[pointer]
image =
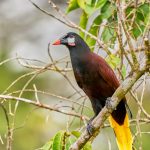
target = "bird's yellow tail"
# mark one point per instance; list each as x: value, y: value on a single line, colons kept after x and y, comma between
x: 123, y: 133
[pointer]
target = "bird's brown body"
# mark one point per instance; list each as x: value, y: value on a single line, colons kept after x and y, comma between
x: 96, y: 78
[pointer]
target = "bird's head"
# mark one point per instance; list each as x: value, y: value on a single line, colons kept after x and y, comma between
x: 73, y: 41
x: 69, y: 40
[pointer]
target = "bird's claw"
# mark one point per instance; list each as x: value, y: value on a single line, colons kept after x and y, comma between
x: 109, y: 103
x: 90, y: 128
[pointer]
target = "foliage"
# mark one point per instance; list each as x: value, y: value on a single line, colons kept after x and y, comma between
x: 141, y: 20
x: 136, y: 19
x: 63, y: 140
x: 104, y: 23
x: 101, y: 19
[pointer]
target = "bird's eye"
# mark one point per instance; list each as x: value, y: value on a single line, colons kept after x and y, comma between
x: 71, y: 36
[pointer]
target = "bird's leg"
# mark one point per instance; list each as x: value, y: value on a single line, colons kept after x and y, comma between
x: 97, y: 107
x: 109, y: 102
x: 90, y: 127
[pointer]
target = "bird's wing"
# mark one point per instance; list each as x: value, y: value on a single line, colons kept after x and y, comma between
x: 107, y: 74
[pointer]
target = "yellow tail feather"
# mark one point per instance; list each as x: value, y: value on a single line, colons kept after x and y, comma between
x: 123, y: 134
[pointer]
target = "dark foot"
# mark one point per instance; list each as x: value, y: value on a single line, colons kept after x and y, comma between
x: 109, y: 103
x: 90, y: 128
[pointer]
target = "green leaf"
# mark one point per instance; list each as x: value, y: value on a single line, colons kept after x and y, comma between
x: 142, y: 19
x: 81, y: 3
x: 69, y: 142
x: 88, y: 146
x: 94, y: 30
x: 108, y: 34
x: 143, y: 14
x: 123, y: 71
x: 76, y: 133
x: 58, y: 142
x: 147, y: 18
x: 72, y: 5
x: 113, y: 61
x: 89, y: 2
x: 91, y: 7
x: 107, y: 10
x: 137, y: 30
x: 83, y: 23
x: 47, y: 146
x: 100, y: 3
x: 144, y: 9
x: 63, y: 140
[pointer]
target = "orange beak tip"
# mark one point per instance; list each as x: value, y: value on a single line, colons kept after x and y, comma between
x: 57, y: 42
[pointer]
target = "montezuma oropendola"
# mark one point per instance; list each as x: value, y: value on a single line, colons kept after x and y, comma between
x: 96, y: 78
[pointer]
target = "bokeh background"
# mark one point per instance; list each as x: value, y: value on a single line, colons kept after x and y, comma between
x: 26, y: 32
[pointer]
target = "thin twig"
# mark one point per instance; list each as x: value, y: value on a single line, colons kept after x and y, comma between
x: 9, y: 132
x: 8, y: 97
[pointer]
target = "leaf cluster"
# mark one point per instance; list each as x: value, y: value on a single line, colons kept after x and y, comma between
x: 63, y: 140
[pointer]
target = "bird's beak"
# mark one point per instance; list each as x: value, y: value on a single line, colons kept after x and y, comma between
x: 57, y: 42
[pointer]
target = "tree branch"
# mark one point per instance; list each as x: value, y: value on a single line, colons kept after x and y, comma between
x: 9, y: 131
x: 70, y: 23
x: 147, y: 51
x: 97, y: 123
x: 35, y: 103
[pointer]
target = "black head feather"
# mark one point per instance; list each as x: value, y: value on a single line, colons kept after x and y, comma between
x: 80, y: 44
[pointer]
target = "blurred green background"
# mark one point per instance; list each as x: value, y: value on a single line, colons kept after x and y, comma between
x: 26, y: 31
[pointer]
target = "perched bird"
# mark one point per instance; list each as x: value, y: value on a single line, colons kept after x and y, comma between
x: 96, y: 78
